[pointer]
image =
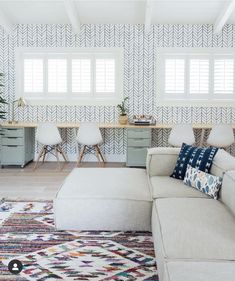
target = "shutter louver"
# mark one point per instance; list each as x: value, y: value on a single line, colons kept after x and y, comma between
x: 174, y: 76
x: 81, y: 75
x: 105, y: 75
x: 199, y: 76
x: 57, y: 75
x: 33, y: 75
x: 223, y: 76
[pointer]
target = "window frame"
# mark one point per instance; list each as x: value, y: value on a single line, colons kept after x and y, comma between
x: 70, y: 98
x: 211, y: 99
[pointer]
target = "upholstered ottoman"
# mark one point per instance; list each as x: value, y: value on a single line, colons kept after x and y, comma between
x: 104, y: 199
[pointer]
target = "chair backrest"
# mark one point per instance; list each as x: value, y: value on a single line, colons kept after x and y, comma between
x: 89, y: 134
x: 221, y: 136
x: 48, y: 134
x: 182, y: 133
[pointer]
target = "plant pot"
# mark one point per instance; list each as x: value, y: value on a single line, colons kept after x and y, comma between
x: 123, y: 119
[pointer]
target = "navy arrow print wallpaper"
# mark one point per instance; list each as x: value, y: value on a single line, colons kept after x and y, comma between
x: 139, y: 60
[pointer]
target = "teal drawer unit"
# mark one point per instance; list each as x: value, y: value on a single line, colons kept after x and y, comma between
x: 138, y: 141
x: 17, y: 146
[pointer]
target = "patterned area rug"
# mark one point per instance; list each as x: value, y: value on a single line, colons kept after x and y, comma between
x: 27, y: 233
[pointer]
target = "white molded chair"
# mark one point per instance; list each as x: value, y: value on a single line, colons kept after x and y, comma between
x: 89, y: 135
x: 48, y: 135
x: 182, y: 133
x: 221, y: 136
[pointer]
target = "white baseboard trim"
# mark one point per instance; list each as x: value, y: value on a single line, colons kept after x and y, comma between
x: 88, y: 157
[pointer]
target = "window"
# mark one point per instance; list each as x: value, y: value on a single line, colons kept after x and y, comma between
x: 201, y: 75
x: 68, y: 75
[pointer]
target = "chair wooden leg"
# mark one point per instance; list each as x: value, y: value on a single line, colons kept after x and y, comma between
x: 44, y: 153
x: 57, y: 155
x: 81, y: 155
x: 100, y: 153
x: 62, y: 153
x: 39, y: 156
x: 97, y: 152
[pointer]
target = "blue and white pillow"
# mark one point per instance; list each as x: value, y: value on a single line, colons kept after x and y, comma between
x: 197, y: 157
x: 202, y: 181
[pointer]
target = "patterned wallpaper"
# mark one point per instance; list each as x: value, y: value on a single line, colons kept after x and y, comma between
x: 139, y: 57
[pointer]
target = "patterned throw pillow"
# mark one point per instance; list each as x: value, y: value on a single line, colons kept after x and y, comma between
x: 197, y: 157
x: 202, y: 181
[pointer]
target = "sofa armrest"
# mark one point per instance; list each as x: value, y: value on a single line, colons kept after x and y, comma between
x: 161, y: 160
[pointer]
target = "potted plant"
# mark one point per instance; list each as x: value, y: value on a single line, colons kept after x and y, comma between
x: 2, y: 100
x: 123, y: 119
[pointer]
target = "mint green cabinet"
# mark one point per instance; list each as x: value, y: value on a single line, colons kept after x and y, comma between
x: 17, y: 146
x: 138, y: 141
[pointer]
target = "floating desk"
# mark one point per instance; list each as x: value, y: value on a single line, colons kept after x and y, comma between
x: 19, y: 136
x: 105, y: 125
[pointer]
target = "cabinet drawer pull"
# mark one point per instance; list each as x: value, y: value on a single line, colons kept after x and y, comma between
x: 12, y: 145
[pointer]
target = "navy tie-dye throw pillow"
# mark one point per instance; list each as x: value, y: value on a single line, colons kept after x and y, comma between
x: 197, y: 157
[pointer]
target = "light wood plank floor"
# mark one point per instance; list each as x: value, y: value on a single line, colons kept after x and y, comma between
x: 42, y: 183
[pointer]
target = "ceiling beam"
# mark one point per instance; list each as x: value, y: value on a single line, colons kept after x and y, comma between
x: 224, y: 16
x: 72, y: 14
x: 5, y: 22
x: 148, y: 16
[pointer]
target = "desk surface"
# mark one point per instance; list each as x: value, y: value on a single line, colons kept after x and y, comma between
x: 104, y: 125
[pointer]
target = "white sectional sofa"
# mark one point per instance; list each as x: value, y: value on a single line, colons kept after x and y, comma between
x: 194, y: 235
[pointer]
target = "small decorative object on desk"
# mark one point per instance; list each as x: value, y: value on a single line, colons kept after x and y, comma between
x: 2, y: 100
x: 123, y: 118
x: 143, y: 120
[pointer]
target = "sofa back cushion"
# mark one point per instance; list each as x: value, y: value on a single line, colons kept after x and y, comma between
x: 227, y: 192
x: 161, y: 160
x: 222, y: 162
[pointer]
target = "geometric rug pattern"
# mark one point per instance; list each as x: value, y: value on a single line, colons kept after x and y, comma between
x: 27, y: 233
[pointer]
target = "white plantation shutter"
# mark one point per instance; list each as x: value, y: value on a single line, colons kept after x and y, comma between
x: 199, y: 76
x: 33, y: 75
x: 86, y: 76
x: 57, y: 75
x: 105, y: 75
x: 174, y: 76
x: 81, y: 75
x: 223, y: 76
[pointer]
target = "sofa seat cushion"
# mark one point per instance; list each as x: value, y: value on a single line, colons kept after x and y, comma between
x: 192, y: 228
x: 164, y: 187
x: 114, y: 183
x: 200, y: 271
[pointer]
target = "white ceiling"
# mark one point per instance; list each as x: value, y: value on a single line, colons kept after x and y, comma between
x: 115, y: 11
